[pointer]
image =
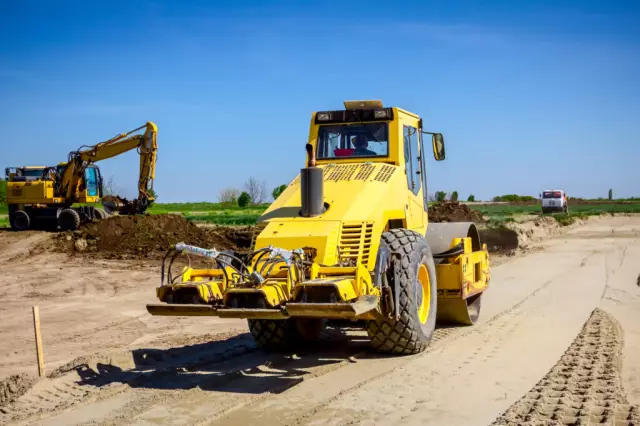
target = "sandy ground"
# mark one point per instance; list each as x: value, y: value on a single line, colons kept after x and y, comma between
x: 86, y: 306
x: 558, y: 342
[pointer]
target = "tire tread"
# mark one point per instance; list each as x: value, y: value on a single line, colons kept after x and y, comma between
x: 271, y: 335
x: 400, y: 336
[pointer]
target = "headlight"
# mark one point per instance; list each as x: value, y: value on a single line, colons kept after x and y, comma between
x: 324, y: 116
x: 381, y: 113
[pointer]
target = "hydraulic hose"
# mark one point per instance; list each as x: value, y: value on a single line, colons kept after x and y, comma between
x: 454, y: 251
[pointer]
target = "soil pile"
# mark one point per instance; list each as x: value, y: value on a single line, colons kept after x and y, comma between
x: 501, y: 240
x: 149, y: 236
x: 453, y: 211
x: 14, y: 387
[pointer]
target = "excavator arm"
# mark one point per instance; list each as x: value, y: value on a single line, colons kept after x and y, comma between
x: 146, y: 145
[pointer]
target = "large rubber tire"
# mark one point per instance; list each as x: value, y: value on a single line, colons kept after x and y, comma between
x: 19, y: 220
x: 101, y: 214
x: 69, y: 220
x: 284, y: 335
x: 410, y: 254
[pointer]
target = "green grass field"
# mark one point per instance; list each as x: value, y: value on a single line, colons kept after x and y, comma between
x: 226, y: 218
x: 213, y: 213
x: 201, y: 207
x: 509, y: 209
x: 498, y: 214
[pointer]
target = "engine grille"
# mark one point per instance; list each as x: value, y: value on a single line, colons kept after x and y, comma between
x: 341, y: 172
x: 385, y: 173
x: 347, y: 172
x: 365, y: 171
x: 355, y: 242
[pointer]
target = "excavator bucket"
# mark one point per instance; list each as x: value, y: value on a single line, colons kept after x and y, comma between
x: 114, y: 204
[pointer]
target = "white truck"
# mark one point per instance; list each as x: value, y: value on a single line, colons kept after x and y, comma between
x: 554, y: 200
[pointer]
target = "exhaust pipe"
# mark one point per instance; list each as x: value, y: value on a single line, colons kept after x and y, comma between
x: 311, y: 187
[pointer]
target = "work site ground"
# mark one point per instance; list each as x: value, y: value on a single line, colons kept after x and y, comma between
x: 557, y: 342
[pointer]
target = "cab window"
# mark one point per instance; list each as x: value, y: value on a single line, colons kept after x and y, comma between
x: 412, y: 158
x: 368, y: 140
x: 91, y: 181
x: 423, y: 164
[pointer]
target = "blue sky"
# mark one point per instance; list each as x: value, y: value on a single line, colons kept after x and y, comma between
x: 529, y: 95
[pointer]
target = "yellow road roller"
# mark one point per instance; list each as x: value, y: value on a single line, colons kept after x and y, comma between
x: 348, y: 239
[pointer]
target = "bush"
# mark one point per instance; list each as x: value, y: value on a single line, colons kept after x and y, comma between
x: 499, y: 221
x: 565, y: 220
x: 229, y: 195
x: 277, y: 191
x: 244, y: 199
x: 471, y: 198
x: 441, y: 196
x: 153, y: 194
x: 454, y: 196
x: 513, y: 198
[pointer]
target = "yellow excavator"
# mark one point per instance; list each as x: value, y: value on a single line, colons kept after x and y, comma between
x: 48, y: 196
x: 349, y: 239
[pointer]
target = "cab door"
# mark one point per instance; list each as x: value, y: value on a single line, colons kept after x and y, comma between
x: 91, y: 181
x: 412, y: 155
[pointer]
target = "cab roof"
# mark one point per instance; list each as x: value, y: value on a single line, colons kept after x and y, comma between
x: 360, y: 111
x: 373, y: 104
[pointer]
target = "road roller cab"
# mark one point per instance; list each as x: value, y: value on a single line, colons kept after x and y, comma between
x: 348, y: 239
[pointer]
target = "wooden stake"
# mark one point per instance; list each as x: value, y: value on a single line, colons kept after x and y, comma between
x: 36, y: 326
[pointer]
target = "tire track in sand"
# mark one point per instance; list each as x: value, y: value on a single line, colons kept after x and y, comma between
x: 584, y: 387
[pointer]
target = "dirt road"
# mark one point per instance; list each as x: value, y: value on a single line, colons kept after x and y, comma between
x: 558, y: 343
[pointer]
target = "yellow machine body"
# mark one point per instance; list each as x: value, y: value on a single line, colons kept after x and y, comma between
x: 365, y: 200
x: 41, y: 190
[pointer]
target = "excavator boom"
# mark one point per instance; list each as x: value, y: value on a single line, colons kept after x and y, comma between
x: 147, y: 147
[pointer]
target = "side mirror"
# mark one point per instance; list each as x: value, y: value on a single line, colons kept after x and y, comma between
x: 437, y: 140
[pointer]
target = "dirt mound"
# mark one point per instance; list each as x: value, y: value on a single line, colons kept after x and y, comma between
x: 535, y: 230
x: 14, y: 387
x: 500, y: 240
x: 507, y: 238
x: 149, y: 236
x: 453, y: 211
